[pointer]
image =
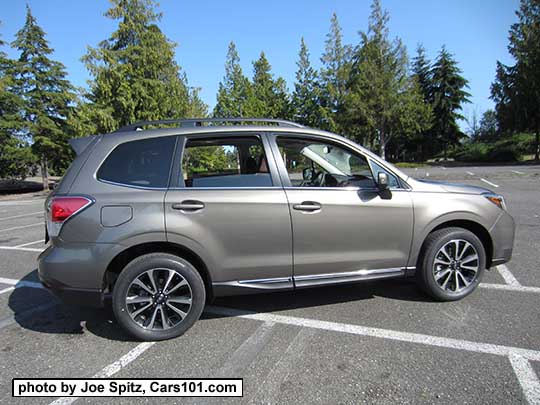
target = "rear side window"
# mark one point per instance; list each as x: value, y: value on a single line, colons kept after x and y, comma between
x: 225, y: 162
x: 144, y: 163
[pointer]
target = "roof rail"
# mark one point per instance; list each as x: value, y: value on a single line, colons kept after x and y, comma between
x: 198, y: 122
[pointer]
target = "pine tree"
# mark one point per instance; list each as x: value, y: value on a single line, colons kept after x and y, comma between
x: 421, y: 73
x: 135, y: 76
x: 421, y: 69
x: 334, y: 73
x: 383, y: 101
x: 46, y: 94
x: 449, y: 94
x: 516, y: 90
x: 15, y: 156
x: 270, y: 99
x: 235, y: 90
x: 306, y: 94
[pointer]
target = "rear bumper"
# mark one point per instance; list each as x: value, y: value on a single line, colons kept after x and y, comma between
x: 74, y: 296
x: 502, y: 234
x: 75, y: 272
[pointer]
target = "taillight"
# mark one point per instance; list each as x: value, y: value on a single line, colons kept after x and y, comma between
x: 62, y: 208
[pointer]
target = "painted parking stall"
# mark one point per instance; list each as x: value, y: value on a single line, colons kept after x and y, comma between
x: 296, y: 349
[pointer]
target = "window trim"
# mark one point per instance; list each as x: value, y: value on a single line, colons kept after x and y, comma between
x: 114, y: 183
x: 284, y: 174
x: 177, y: 181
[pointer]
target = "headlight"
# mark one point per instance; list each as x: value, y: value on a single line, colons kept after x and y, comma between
x: 496, y: 199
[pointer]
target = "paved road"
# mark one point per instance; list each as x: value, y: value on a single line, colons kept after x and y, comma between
x: 381, y: 342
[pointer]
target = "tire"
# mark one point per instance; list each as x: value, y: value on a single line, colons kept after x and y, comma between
x: 438, y: 279
x: 177, y: 289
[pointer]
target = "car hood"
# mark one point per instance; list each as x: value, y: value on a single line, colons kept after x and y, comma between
x: 443, y: 186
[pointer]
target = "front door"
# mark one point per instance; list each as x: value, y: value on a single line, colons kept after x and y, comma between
x: 343, y: 227
x: 229, y: 206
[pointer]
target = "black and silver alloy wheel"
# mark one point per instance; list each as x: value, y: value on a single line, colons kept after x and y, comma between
x: 456, y: 265
x: 158, y: 296
x: 452, y: 263
x: 159, y: 299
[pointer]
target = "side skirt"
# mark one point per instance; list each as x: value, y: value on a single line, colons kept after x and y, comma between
x: 258, y: 286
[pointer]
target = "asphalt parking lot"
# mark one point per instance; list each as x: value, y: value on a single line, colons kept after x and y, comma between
x: 380, y: 342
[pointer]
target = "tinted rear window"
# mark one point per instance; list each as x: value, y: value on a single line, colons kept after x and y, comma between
x: 144, y: 163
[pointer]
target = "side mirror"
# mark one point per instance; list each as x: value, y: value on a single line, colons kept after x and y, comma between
x: 382, y: 181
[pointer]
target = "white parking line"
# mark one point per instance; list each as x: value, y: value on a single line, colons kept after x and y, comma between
x: 21, y: 227
x: 23, y: 249
x: 507, y: 287
x: 30, y: 243
x: 408, y: 337
x: 112, y: 369
x: 470, y: 173
x: 20, y: 216
x: 20, y: 283
x: 517, y: 171
x: 5, y: 290
x: 19, y: 202
x: 507, y: 275
x: 527, y: 378
x: 247, y: 351
x: 489, y: 182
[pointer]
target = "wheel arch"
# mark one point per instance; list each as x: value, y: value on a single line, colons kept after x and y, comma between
x: 478, y: 229
x: 119, y: 262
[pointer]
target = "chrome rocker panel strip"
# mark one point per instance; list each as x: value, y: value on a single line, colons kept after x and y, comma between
x: 240, y: 287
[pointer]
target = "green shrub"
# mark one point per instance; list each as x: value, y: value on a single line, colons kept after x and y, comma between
x: 471, y: 152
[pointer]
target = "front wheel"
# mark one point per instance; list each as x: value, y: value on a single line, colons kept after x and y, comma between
x: 452, y: 265
x: 158, y: 296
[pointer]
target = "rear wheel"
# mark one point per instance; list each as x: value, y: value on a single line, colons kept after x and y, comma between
x: 158, y: 296
x: 452, y: 265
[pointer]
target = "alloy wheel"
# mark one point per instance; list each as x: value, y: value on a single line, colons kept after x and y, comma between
x: 456, y: 265
x: 159, y: 299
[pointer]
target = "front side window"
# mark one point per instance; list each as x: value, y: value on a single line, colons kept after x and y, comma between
x: 392, y: 180
x: 142, y: 163
x: 225, y: 162
x: 314, y: 163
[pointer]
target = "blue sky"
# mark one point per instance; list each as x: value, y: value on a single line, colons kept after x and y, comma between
x: 475, y: 31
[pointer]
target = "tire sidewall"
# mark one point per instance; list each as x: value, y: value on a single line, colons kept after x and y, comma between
x: 139, y: 266
x: 429, y: 258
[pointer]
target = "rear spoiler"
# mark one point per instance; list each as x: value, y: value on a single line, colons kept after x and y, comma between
x: 80, y: 144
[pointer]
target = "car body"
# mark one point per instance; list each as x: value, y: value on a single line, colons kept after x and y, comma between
x: 254, y: 208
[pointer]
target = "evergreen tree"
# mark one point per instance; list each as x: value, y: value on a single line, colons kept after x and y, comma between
x: 270, y: 99
x: 421, y: 69
x: 448, y: 96
x: 333, y: 74
x: 135, y: 76
x: 383, y: 101
x: 46, y: 94
x: 15, y: 156
x: 235, y: 92
x: 306, y: 94
x: 516, y: 90
x: 421, y: 72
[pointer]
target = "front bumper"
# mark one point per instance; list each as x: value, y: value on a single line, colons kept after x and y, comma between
x: 502, y: 235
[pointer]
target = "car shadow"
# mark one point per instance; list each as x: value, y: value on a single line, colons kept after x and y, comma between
x: 38, y: 310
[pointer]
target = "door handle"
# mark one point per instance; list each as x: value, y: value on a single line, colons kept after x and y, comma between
x: 188, y: 205
x: 307, y: 206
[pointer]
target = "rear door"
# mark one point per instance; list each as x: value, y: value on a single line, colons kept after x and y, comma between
x: 227, y: 204
x: 343, y: 227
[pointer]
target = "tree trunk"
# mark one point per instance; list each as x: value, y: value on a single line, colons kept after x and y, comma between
x: 45, y: 174
x: 382, y: 150
x: 537, y: 142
